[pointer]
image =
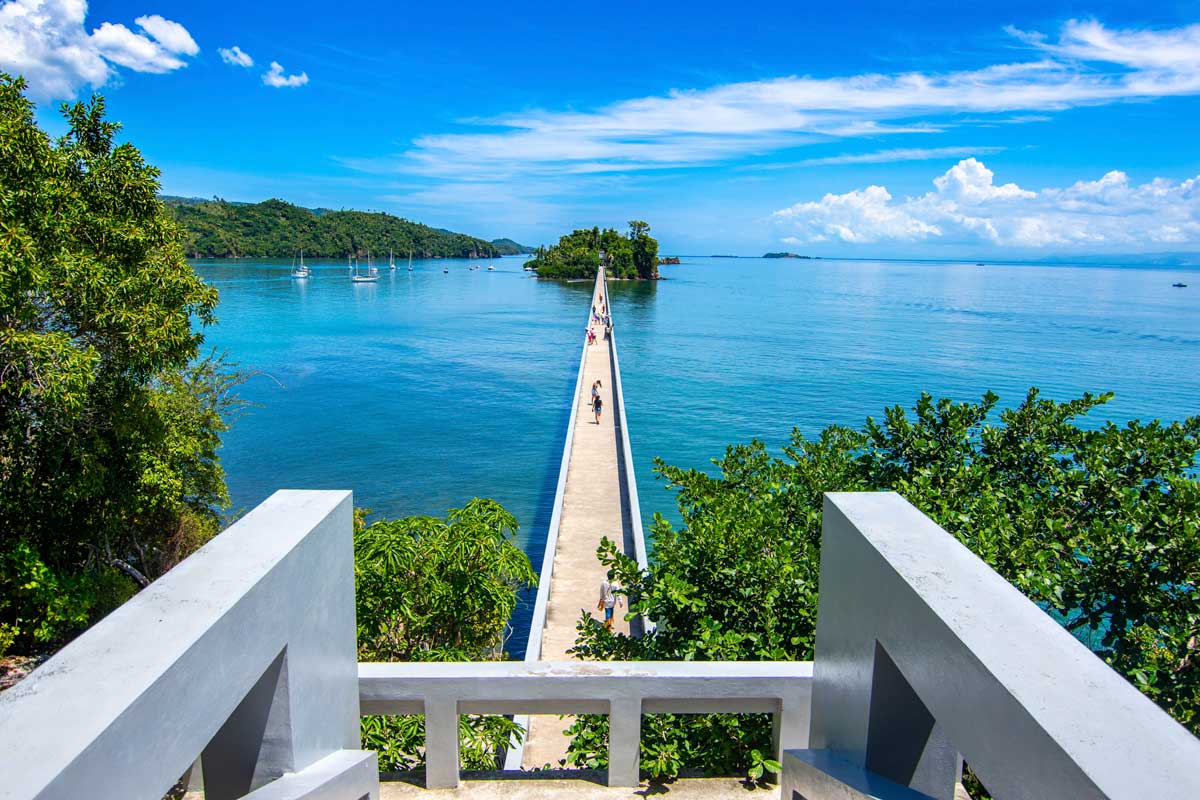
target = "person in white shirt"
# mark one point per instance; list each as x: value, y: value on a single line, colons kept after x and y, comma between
x: 609, y: 600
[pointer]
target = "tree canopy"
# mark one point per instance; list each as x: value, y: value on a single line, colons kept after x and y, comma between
x: 429, y: 589
x: 1099, y: 526
x: 109, y: 424
x: 275, y: 229
x: 577, y: 255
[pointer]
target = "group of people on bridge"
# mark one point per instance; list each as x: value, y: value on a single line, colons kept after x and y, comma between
x: 599, y: 317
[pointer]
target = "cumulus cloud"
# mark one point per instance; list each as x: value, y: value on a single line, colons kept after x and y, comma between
x: 1087, y: 64
x: 275, y: 77
x: 47, y: 43
x: 235, y: 56
x: 173, y: 37
x: 968, y: 206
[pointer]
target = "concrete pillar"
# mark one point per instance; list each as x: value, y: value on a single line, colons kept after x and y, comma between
x: 624, y: 740
x: 441, y: 743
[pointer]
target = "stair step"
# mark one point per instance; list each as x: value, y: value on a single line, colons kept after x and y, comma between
x: 824, y: 775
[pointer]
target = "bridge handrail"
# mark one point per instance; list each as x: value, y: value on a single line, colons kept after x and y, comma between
x: 244, y: 652
x: 923, y: 652
x: 623, y: 690
x: 635, y: 508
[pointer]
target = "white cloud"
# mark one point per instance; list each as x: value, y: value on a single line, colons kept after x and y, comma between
x: 967, y: 206
x: 235, y: 56
x: 1174, y: 50
x: 1088, y: 64
x: 173, y: 37
x: 890, y: 156
x: 275, y: 77
x: 47, y: 43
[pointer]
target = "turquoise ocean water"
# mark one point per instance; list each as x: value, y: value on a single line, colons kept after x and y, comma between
x: 426, y: 388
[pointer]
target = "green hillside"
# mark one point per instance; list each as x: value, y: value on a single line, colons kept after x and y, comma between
x: 275, y: 229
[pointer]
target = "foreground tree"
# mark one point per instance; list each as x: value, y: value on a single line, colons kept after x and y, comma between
x: 429, y: 589
x: 1100, y: 527
x: 109, y: 425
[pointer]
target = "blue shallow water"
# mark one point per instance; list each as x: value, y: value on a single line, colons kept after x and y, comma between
x: 426, y: 389
x: 728, y: 350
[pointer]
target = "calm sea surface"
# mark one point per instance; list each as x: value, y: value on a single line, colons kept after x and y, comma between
x: 426, y: 389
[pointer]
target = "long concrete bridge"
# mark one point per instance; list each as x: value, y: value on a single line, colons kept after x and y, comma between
x: 596, y: 498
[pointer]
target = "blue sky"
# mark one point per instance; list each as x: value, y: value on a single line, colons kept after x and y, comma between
x: 883, y: 129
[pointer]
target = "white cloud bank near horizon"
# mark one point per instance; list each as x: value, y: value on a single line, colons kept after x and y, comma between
x: 47, y: 43
x: 967, y: 206
x: 1087, y: 65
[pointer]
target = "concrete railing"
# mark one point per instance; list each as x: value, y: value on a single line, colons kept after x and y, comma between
x: 631, y: 490
x: 623, y: 690
x: 244, y: 655
x: 924, y: 653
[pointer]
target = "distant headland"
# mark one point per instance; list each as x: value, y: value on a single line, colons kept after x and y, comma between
x: 277, y: 229
x: 786, y: 255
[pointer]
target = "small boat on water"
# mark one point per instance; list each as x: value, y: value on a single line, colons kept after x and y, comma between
x: 1179, y: 285
x: 445, y: 269
x: 410, y: 260
x: 301, y: 272
x: 491, y: 268
x: 371, y: 275
x: 391, y: 262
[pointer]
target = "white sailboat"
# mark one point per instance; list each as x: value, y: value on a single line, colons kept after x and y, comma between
x: 410, y: 260
x: 301, y: 271
x: 391, y: 262
x: 371, y: 276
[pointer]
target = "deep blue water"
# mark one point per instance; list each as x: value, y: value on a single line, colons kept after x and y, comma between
x: 426, y: 389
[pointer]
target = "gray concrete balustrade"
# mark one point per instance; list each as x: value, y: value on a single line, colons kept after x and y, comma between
x: 244, y: 655
x: 924, y: 653
x: 623, y: 690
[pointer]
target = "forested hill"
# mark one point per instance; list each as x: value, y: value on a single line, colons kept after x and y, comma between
x: 275, y: 229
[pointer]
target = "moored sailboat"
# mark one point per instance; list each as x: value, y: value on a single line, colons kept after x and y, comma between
x: 371, y: 276
x: 301, y: 271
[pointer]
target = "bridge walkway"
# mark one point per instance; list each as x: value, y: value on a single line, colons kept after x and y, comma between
x: 595, y: 504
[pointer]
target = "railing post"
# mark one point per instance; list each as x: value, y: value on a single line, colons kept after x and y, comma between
x: 624, y: 740
x: 441, y: 743
x: 789, y: 727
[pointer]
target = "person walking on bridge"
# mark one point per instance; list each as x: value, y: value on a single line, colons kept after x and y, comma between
x: 597, y: 407
x: 609, y: 600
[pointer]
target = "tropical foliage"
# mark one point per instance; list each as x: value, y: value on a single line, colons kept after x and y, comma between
x: 1098, y: 525
x: 109, y: 423
x: 429, y: 589
x: 275, y: 229
x: 577, y: 255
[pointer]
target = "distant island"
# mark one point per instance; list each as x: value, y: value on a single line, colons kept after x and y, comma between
x: 277, y: 229
x: 669, y: 260
x: 578, y: 255
x: 784, y: 255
